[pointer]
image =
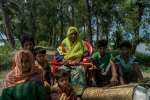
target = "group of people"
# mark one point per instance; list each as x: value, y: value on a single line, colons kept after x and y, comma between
x: 77, y: 66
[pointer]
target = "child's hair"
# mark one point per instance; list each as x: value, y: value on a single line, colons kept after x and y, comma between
x: 102, y: 43
x: 26, y: 37
x: 61, y: 73
x: 39, y: 50
x: 126, y: 44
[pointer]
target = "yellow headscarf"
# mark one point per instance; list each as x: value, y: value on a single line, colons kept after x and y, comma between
x: 71, y: 51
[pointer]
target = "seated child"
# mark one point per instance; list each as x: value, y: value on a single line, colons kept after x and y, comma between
x: 105, y: 72
x: 27, y: 43
x: 62, y: 90
x: 42, y: 63
x: 129, y: 70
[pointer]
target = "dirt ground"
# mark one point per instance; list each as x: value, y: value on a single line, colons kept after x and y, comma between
x: 146, y: 74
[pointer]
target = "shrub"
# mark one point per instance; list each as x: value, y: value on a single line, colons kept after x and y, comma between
x: 144, y: 59
x: 5, y: 56
x: 43, y: 43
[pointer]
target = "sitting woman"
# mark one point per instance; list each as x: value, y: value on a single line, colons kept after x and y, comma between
x: 24, y: 81
x: 72, y: 51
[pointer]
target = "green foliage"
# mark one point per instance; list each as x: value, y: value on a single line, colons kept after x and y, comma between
x: 43, y: 44
x: 145, y: 68
x: 5, y: 56
x: 48, y: 19
x: 144, y: 59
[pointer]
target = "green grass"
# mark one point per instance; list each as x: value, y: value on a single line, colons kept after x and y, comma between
x: 145, y: 69
x: 144, y: 59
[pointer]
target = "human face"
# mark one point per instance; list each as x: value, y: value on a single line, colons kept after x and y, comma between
x: 63, y: 82
x: 41, y: 58
x: 28, y: 45
x: 73, y: 37
x: 26, y: 63
x: 102, y: 50
x: 125, y: 51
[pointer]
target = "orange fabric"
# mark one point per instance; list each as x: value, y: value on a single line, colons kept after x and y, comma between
x: 16, y: 76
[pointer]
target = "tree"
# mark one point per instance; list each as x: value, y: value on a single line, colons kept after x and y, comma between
x: 7, y: 7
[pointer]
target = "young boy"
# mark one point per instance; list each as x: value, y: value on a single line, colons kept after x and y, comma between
x: 105, y: 72
x: 129, y: 70
x: 62, y: 90
x: 42, y: 63
x: 27, y: 42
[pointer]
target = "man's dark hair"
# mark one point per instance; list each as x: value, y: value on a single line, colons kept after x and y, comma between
x: 39, y: 50
x: 102, y: 43
x: 26, y: 37
x: 126, y: 44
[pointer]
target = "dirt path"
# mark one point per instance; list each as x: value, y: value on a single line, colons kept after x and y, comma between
x: 146, y: 74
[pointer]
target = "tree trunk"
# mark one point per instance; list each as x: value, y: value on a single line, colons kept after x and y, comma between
x: 50, y: 35
x: 62, y: 29
x: 97, y: 31
x: 137, y: 39
x: 7, y: 24
x: 72, y: 16
x: 33, y: 18
x: 89, y: 20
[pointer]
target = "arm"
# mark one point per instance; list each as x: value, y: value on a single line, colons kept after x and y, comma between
x: 76, y: 52
x: 114, y: 71
x: 120, y: 75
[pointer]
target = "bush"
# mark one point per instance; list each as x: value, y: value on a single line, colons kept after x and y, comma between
x: 145, y: 68
x: 5, y: 56
x: 43, y: 43
x: 144, y: 59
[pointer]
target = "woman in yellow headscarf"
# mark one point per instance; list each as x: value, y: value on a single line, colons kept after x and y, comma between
x: 72, y: 50
x: 71, y: 47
